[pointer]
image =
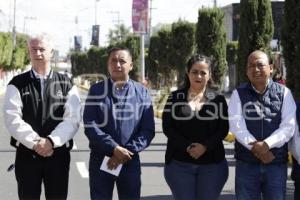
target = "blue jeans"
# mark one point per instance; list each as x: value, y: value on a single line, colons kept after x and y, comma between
x: 191, y: 181
x: 102, y: 183
x: 259, y: 181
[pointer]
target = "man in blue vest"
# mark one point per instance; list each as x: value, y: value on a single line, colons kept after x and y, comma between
x: 262, y: 117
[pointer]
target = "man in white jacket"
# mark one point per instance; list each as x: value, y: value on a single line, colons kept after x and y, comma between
x: 42, y: 114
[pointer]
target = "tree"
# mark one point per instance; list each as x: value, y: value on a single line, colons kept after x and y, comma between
x: 231, y: 57
x: 79, y: 62
x: 211, y: 40
x: 164, y: 48
x: 94, y: 59
x: 90, y: 64
x: 10, y: 57
x: 118, y: 35
x: 20, y: 56
x: 152, y: 63
x: 290, y: 40
x: 182, y: 46
x: 133, y: 43
x: 256, y: 31
x: 159, y: 53
x: 6, y: 50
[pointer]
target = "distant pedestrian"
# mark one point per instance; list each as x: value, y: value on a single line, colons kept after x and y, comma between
x: 262, y: 118
x: 279, y: 78
x: 119, y: 123
x: 42, y: 114
x: 195, y: 123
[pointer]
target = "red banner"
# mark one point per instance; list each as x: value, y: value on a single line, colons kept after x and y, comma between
x: 140, y: 16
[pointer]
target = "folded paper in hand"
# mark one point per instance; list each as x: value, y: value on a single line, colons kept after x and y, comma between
x: 104, y: 167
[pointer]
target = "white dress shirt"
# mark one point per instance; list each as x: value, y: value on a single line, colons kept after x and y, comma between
x: 278, y: 138
x: 42, y: 79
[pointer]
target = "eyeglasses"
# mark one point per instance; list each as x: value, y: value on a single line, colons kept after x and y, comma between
x: 257, y: 65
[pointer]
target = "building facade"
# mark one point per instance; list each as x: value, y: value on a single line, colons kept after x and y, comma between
x: 232, y: 19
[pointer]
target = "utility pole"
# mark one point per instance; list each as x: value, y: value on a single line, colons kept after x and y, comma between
x: 215, y: 3
x: 2, y: 13
x: 24, y: 23
x: 96, y: 11
x: 142, y: 52
x: 118, y: 23
x: 150, y: 18
x: 14, y: 26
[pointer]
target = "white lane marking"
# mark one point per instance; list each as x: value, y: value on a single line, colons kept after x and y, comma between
x: 229, y: 156
x: 74, y: 146
x: 81, y: 167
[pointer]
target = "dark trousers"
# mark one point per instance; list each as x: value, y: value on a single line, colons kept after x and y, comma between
x: 296, y: 178
x: 102, y: 183
x: 32, y: 170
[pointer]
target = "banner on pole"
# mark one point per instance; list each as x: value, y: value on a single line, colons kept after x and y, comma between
x: 140, y: 16
x: 77, y: 42
x: 95, y: 35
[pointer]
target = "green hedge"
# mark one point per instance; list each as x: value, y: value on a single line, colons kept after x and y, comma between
x: 11, y: 58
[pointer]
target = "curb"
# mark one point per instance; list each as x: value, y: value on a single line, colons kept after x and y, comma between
x: 158, y: 113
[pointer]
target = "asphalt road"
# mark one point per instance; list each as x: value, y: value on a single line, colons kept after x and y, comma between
x: 154, y: 186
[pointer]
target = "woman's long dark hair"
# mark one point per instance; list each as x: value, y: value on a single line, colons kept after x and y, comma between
x: 198, y: 58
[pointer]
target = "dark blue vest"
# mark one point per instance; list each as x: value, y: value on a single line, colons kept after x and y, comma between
x: 262, y: 114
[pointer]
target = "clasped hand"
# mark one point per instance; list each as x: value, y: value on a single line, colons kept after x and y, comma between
x: 120, y: 156
x: 195, y: 150
x: 261, y: 150
x: 43, y: 147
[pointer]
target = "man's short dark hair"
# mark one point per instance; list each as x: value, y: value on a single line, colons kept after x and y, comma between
x: 118, y: 48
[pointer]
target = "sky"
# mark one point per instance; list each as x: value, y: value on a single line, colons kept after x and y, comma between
x: 57, y: 17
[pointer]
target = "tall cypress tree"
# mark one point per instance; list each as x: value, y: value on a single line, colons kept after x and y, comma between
x: 256, y: 31
x: 152, y: 63
x: 182, y: 46
x: 163, y: 47
x: 211, y: 40
x: 290, y: 40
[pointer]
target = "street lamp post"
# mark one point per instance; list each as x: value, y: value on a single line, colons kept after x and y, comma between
x: 118, y: 23
x: 77, y: 13
x: 96, y: 11
x: 95, y: 28
x: 24, y: 23
x: 215, y: 3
